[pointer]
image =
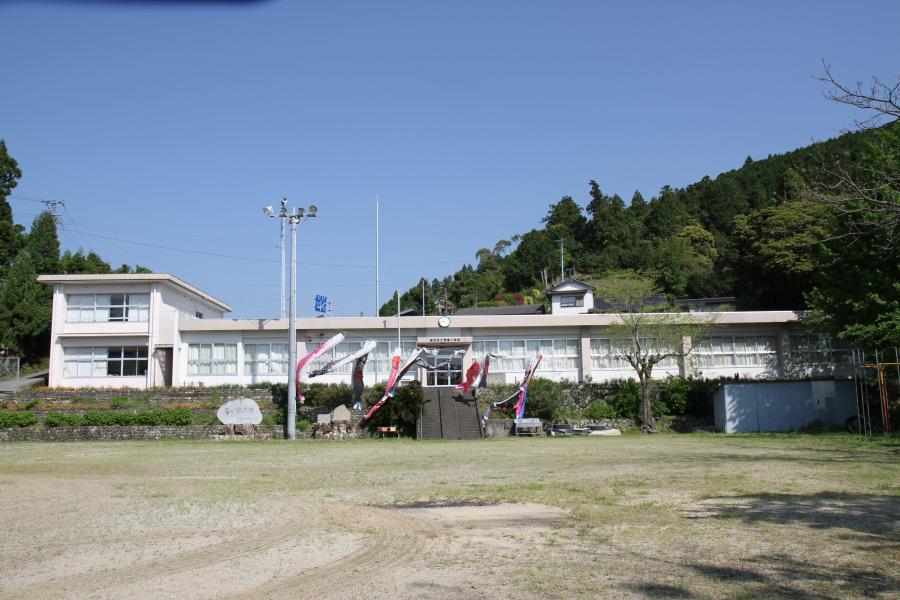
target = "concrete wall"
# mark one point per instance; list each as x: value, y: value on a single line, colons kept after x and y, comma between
x: 783, y: 405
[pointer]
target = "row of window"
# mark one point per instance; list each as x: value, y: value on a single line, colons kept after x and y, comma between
x: 104, y: 308
x: 272, y: 358
x: 737, y: 351
x: 558, y: 355
x: 105, y: 361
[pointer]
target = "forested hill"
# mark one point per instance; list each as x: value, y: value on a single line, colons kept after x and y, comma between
x: 752, y: 232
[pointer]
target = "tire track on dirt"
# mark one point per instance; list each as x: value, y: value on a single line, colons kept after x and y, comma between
x: 85, y: 584
x: 396, y: 539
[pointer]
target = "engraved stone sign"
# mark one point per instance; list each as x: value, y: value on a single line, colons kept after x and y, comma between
x: 341, y: 413
x: 243, y: 411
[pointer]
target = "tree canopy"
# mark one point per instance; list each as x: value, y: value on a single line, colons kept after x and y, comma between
x: 777, y: 233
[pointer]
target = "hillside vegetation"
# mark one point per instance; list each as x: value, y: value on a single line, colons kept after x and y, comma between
x: 769, y: 233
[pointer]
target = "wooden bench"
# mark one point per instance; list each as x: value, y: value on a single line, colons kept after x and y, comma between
x: 391, y: 430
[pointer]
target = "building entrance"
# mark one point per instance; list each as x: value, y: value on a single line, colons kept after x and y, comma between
x: 451, y: 373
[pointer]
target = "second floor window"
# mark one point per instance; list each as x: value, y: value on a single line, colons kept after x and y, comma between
x: 571, y: 301
x: 104, y: 308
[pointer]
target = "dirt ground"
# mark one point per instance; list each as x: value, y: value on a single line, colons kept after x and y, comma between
x: 669, y: 516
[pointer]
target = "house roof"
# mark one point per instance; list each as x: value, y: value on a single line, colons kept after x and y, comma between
x: 112, y: 278
x: 556, y: 289
x: 519, y: 309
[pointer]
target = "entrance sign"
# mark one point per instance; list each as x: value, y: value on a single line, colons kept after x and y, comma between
x: 243, y: 411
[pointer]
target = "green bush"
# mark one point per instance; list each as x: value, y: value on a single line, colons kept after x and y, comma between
x: 16, y: 419
x: 171, y: 417
x: 401, y: 411
x: 599, y: 409
x: 547, y: 400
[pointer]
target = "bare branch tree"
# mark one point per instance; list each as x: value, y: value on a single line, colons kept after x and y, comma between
x: 866, y: 195
x: 879, y: 97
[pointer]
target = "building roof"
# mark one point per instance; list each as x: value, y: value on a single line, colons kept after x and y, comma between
x: 110, y: 278
x: 614, y: 305
x: 569, y: 282
x: 519, y: 309
x: 706, y: 301
x: 459, y: 322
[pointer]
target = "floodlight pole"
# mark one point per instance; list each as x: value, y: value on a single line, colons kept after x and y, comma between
x: 283, y: 216
x: 298, y: 216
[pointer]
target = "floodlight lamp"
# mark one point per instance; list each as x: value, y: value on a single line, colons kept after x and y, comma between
x: 268, y: 211
x: 313, y: 209
x: 300, y: 212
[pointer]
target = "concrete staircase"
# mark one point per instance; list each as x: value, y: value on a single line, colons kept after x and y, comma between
x: 447, y: 415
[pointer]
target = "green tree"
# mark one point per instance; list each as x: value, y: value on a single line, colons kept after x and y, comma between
x: 42, y: 244
x: 646, y: 332
x: 685, y: 262
x: 10, y: 233
x: 24, y: 309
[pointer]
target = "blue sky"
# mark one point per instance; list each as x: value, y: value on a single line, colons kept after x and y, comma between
x: 164, y: 125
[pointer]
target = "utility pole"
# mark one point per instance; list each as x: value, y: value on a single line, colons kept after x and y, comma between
x: 51, y: 206
x: 562, y: 268
x: 398, y: 322
x: 283, y: 215
x: 377, y: 259
x: 298, y: 216
x: 423, y: 296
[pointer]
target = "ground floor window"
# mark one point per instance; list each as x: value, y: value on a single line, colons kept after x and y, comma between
x: 105, y: 361
x: 212, y: 359
x: 736, y: 351
x: 265, y: 359
x: 378, y: 363
x: 819, y: 349
x: 608, y: 353
x: 560, y: 354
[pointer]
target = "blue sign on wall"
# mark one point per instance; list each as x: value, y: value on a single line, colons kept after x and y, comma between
x: 321, y: 301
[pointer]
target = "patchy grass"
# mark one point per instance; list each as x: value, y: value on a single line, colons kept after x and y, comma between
x: 668, y: 516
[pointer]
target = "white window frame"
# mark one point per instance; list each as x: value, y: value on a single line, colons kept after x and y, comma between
x: 95, y: 361
x: 608, y: 356
x: 726, y: 351
x: 217, y: 359
x: 266, y: 358
x: 99, y: 308
x: 559, y: 354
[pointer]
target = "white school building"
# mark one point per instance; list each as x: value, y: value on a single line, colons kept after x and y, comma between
x: 155, y: 330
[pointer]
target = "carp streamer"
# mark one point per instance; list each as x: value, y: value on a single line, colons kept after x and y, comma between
x: 343, y: 360
x: 397, y: 374
x: 521, y: 392
x: 328, y: 345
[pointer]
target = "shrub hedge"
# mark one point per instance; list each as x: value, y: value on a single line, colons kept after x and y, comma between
x: 560, y: 400
x: 17, y: 419
x: 159, y: 417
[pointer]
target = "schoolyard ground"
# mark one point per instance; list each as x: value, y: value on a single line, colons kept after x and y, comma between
x: 668, y: 516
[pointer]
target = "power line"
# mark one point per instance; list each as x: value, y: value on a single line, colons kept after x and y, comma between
x: 216, y: 254
x: 26, y: 198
